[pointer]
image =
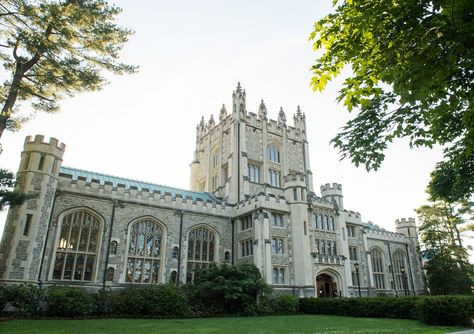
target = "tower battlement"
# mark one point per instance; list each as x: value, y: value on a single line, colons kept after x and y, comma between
x: 333, y: 194
x: 405, y: 222
x: 38, y: 143
x: 406, y: 226
x: 328, y: 189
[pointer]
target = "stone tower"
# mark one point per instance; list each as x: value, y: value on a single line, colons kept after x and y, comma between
x: 26, y: 228
x: 407, y: 227
x: 333, y: 194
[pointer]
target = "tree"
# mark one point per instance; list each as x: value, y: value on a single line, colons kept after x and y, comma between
x: 53, y: 48
x: 447, y: 268
x: 9, y: 196
x: 412, y: 76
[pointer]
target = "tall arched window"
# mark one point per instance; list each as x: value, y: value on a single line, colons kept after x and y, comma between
x: 144, y: 252
x: 398, y: 263
x: 201, y: 249
x: 77, y: 247
x: 377, y: 268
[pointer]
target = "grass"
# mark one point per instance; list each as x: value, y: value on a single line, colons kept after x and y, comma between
x: 298, y: 324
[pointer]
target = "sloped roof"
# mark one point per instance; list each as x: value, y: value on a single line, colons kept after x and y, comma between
x: 88, y: 176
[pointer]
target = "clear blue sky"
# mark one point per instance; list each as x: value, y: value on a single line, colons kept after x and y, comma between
x: 191, y: 55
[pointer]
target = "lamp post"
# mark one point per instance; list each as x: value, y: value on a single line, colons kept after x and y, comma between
x: 115, y: 204
x: 180, y: 214
x: 404, y: 278
x: 356, y: 266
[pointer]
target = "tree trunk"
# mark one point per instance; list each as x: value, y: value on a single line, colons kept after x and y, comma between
x: 3, y: 124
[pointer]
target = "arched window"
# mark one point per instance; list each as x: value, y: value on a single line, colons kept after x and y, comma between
x: 398, y: 263
x: 377, y: 268
x: 201, y: 249
x: 110, y: 274
x: 273, y: 153
x: 227, y: 256
x: 113, y: 248
x: 144, y: 252
x: 77, y: 247
x: 175, y: 253
x: 173, y: 276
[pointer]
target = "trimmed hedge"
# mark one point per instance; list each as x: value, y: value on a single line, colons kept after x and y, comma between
x: 66, y: 301
x: 446, y: 310
x: 155, y: 301
x: 285, y: 304
x: 438, y: 310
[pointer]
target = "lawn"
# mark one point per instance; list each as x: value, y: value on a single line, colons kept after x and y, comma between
x: 298, y: 324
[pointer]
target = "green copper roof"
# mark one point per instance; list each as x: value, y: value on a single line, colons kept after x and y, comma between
x: 372, y: 226
x: 88, y: 176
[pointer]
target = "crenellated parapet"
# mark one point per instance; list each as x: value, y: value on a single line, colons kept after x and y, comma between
x: 353, y: 214
x: 111, y: 187
x: 383, y: 234
x: 263, y: 201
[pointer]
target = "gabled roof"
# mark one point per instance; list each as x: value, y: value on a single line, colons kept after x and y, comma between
x: 89, y: 176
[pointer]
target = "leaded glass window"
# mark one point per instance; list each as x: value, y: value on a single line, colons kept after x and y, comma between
x: 398, y: 263
x: 377, y: 268
x: 277, y: 220
x: 201, y: 250
x: 273, y: 153
x: 274, y: 177
x: 77, y: 247
x: 278, y: 275
x: 144, y: 252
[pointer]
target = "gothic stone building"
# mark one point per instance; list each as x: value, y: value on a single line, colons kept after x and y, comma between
x: 251, y: 201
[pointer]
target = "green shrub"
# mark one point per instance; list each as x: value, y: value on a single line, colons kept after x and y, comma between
x: 286, y: 304
x: 3, y: 297
x: 66, y: 301
x: 446, y: 310
x: 25, y: 298
x: 105, y: 302
x: 433, y: 310
x: 264, y: 306
x: 228, y: 289
x: 157, y: 301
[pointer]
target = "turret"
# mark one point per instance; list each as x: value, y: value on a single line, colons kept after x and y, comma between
x: 299, y: 120
x: 333, y: 194
x: 26, y: 226
x: 281, y: 118
x: 222, y: 113
x: 239, y: 109
x: 262, y: 111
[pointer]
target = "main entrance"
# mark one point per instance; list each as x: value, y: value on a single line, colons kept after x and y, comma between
x: 327, y: 286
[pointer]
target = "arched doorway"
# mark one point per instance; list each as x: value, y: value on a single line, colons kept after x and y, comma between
x: 327, y: 286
